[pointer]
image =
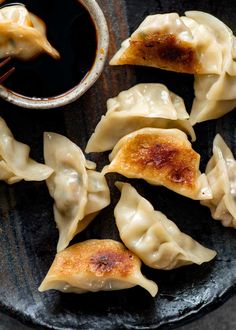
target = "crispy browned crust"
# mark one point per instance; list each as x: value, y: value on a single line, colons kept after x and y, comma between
x: 106, y: 258
x: 159, y: 158
x: 162, y: 51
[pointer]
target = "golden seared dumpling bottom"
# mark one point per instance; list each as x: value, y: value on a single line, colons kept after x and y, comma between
x: 161, y: 157
x: 160, y: 50
x: 143, y: 105
x: 190, y: 43
x: 96, y: 265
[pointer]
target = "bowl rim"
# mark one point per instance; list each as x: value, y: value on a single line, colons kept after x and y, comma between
x: 90, y: 78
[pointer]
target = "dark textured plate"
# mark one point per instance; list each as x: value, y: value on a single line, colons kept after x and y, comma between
x: 28, y: 234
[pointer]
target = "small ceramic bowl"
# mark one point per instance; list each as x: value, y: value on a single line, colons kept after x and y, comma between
x: 73, y: 94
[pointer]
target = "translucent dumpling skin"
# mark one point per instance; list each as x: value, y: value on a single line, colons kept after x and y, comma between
x: 215, y: 93
x: 155, y: 239
x: 23, y: 35
x: 15, y: 162
x: 143, y: 105
x: 196, y: 43
x: 96, y: 265
x: 79, y: 192
x: 221, y: 174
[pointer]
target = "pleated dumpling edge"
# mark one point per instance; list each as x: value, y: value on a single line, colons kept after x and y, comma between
x: 143, y: 105
x: 155, y: 239
x: 78, y: 190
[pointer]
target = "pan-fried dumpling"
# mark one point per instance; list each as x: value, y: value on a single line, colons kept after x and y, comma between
x: 161, y: 157
x: 144, y: 105
x: 79, y: 192
x: 15, y: 163
x: 197, y: 43
x: 221, y: 174
x: 175, y: 43
x: 156, y: 240
x: 96, y: 265
x: 23, y: 35
x: 215, y: 94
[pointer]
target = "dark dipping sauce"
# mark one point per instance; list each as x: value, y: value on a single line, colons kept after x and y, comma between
x: 71, y: 31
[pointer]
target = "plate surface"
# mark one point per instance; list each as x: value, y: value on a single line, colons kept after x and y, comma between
x: 28, y: 234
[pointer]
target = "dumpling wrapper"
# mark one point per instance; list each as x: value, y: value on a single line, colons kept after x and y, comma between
x: 23, y: 34
x: 155, y: 239
x: 215, y: 94
x: 203, y: 110
x: 15, y: 163
x: 221, y: 175
x: 96, y: 265
x: 144, y: 105
x: 79, y: 192
x: 196, y: 43
x: 160, y: 157
x: 174, y: 43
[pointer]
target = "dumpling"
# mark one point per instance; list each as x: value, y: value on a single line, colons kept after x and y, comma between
x: 215, y: 94
x: 203, y: 110
x: 96, y: 265
x: 221, y: 175
x: 156, y: 240
x: 79, y: 192
x: 15, y: 163
x: 161, y: 157
x: 174, y: 43
x: 23, y: 35
x: 197, y: 43
x: 144, y: 105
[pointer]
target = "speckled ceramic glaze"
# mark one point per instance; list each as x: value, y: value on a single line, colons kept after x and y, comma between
x: 74, y: 93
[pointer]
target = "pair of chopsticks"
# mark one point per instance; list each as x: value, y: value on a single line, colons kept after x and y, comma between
x: 5, y: 75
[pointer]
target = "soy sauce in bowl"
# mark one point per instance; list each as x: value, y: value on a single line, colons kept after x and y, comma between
x: 71, y: 31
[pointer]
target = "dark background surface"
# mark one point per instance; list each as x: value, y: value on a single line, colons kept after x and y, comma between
x: 28, y: 239
x: 224, y: 318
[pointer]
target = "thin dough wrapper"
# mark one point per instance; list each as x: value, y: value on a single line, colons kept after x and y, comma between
x: 15, y: 163
x: 79, y: 191
x: 196, y: 43
x: 155, y: 239
x: 215, y: 94
x: 96, y: 265
x: 144, y: 105
x: 203, y: 110
x: 221, y: 174
x: 161, y: 157
x: 23, y: 35
x: 174, y: 43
